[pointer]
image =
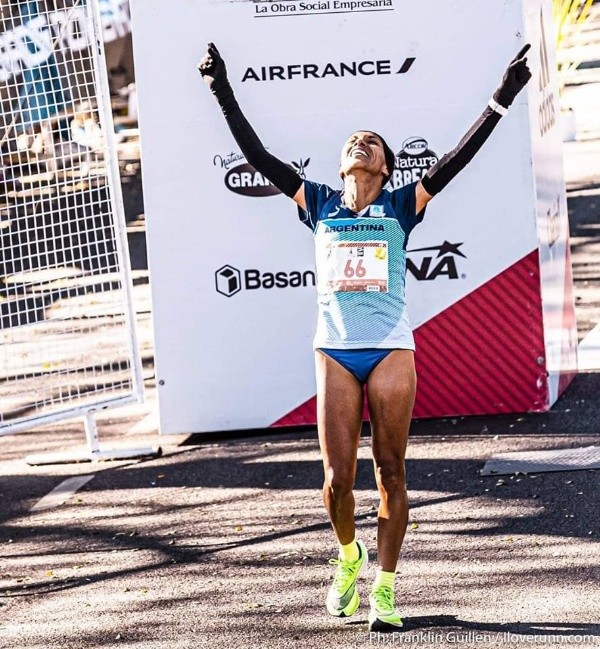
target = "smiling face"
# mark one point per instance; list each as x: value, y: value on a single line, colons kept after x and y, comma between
x: 363, y: 150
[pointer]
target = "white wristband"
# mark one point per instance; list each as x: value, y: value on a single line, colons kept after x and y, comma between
x: 494, y: 105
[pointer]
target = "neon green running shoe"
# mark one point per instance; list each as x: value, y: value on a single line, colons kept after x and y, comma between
x: 383, y: 615
x: 343, y: 599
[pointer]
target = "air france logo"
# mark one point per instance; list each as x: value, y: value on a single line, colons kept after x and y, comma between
x: 412, y: 162
x: 424, y: 265
x: 547, y: 111
x: 229, y: 280
x: 329, y: 70
x: 245, y: 180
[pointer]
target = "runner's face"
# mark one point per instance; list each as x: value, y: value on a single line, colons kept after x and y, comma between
x: 363, y: 150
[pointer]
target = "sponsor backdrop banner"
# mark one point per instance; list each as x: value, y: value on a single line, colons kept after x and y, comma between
x: 232, y: 267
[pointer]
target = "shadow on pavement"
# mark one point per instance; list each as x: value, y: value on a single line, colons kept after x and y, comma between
x: 521, y: 628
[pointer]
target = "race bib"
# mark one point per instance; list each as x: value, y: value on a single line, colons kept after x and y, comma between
x: 354, y: 266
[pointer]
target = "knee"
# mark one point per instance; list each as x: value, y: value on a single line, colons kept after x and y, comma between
x: 391, y: 477
x: 338, y: 482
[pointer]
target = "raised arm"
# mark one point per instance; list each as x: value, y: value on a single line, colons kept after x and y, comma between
x: 437, y: 177
x: 213, y: 71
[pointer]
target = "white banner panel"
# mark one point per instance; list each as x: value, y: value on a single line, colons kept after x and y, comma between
x: 232, y: 267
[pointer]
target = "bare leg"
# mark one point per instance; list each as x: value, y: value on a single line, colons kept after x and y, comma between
x: 339, y: 407
x: 391, y: 391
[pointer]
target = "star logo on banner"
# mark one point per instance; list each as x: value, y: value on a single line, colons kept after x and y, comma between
x: 446, y: 248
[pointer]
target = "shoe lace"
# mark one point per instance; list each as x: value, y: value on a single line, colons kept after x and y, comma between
x: 345, y: 571
x: 383, y: 596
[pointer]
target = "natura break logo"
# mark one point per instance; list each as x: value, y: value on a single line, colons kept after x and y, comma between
x: 412, y: 162
x: 242, y: 178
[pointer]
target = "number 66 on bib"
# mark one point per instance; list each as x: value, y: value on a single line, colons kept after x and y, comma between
x: 354, y: 266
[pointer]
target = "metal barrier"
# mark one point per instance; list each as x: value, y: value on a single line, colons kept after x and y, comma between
x: 68, y: 342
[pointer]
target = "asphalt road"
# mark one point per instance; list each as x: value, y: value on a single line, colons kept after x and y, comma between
x: 226, y: 543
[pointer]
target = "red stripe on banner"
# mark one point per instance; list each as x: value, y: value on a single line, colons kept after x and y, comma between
x: 305, y: 414
x: 492, y: 340
x: 481, y: 346
x: 462, y: 365
x: 437, y: 348
x: 499, y: 383
x: 480, y: 355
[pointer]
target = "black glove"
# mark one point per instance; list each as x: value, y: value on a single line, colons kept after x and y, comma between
x: 515, y: 79
x: 214, y: 73
x: 213, y: 70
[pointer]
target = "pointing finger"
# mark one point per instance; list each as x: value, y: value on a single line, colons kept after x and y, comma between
x: 522, y: 53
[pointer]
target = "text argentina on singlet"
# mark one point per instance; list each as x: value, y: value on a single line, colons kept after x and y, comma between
x: 359, y: 227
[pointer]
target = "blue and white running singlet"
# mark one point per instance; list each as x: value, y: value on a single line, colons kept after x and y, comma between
x: 361, y: 268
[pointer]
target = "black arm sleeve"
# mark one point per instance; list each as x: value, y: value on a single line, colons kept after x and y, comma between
x: 282, y: 176
x: 449, y: 165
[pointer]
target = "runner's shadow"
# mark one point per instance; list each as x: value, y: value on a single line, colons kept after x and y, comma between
x: 433, y: 622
